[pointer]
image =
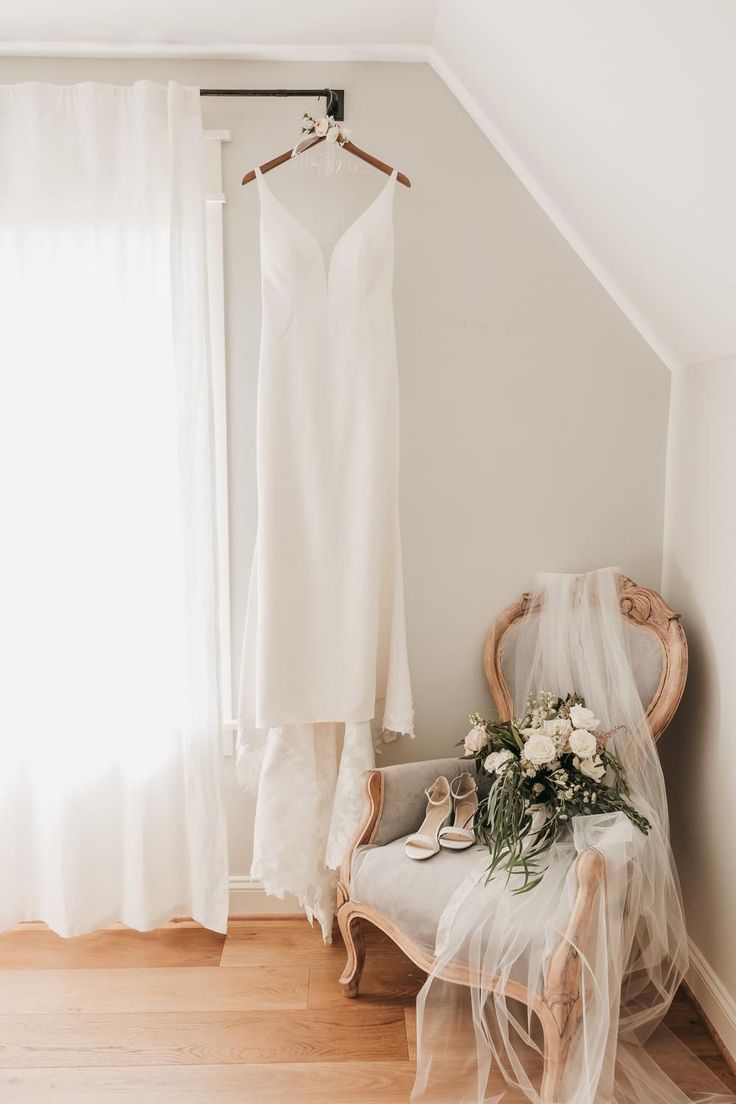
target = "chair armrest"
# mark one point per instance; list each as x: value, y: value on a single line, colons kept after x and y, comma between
x: 562, y: 990
x: 395, y: 803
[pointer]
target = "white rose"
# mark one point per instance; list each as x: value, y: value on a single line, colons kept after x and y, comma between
x: 592, y: 768
x: 495, y: 761
x: 583, y: 743
x: 321, y: 126
x: 476, y: 740
x: 584, y: 718
x: 333, y: 134
x: 540, y: 749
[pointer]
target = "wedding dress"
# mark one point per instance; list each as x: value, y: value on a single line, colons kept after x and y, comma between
x: 471, y: 1041
x: 324, y: 655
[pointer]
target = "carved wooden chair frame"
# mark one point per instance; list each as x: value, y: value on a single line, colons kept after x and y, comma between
x: 558, y: 1008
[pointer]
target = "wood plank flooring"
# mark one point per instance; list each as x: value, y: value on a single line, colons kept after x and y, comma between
x: 183, y: 1016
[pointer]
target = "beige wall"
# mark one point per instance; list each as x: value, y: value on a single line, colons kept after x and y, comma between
x: 533, y: 415
x: 700, y: 581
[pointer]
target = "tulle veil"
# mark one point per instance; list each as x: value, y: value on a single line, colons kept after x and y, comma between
x: 476, y: 1044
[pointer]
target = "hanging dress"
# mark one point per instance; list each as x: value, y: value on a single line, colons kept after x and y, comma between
x: 324, y: 656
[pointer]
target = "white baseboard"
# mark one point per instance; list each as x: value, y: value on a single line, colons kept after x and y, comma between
x: 249, y: 898
x: 713, y: 997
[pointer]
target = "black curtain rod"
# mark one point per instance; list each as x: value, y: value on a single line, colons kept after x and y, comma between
x: 335, y: 97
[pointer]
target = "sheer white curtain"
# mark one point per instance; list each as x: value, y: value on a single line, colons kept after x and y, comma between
x: 110, y: 804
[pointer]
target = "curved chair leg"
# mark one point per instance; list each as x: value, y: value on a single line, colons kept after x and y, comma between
x: 350, y: 926
x: 556, y: 1051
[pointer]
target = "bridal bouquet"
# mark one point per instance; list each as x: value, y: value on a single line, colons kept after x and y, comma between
x: 545, y: 767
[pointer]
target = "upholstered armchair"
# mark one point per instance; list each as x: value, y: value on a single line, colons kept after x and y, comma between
x: 406, y: 899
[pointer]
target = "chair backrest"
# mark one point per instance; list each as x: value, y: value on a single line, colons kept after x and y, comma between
x: 658, y: 653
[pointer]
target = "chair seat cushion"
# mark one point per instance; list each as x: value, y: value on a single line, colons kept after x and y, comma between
x: 411, y: 895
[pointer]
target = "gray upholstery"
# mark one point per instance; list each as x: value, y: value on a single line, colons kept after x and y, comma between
x: 411, y: 895
x: 645, y: 649
x: 647, y: 659
x: 404, y: 803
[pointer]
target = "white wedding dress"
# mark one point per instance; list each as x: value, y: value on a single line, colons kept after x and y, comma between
x: 324, y: 655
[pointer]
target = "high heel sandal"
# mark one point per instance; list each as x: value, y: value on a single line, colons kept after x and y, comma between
x: 425, y: 843
x: 458, y: 836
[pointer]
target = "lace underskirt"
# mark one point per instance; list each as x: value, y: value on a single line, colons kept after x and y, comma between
x: 308, y: 808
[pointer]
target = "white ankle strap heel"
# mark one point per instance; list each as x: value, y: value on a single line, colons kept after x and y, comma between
x: 425, y: 843
x: 461, y: 833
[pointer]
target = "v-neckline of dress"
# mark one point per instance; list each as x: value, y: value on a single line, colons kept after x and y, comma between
x: 326, y: 261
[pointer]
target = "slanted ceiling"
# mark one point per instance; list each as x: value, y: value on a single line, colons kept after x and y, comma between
x: 618, y: 115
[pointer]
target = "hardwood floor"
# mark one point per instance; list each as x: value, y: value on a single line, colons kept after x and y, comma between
x: 183, y: 1016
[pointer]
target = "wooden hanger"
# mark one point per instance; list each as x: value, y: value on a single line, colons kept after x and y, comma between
x: 349, y: 146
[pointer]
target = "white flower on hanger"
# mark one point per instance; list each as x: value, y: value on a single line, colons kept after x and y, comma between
x: 584, y: 718
x: 583, y: 743
x: 476, y: 740
x: 321, y: 126
x: 494, y: 762
x: 540, y: 749
x: 591, y: 768
x: 333, y: 133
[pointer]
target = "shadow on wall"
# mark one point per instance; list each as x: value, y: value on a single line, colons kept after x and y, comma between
x: 684, y: 747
